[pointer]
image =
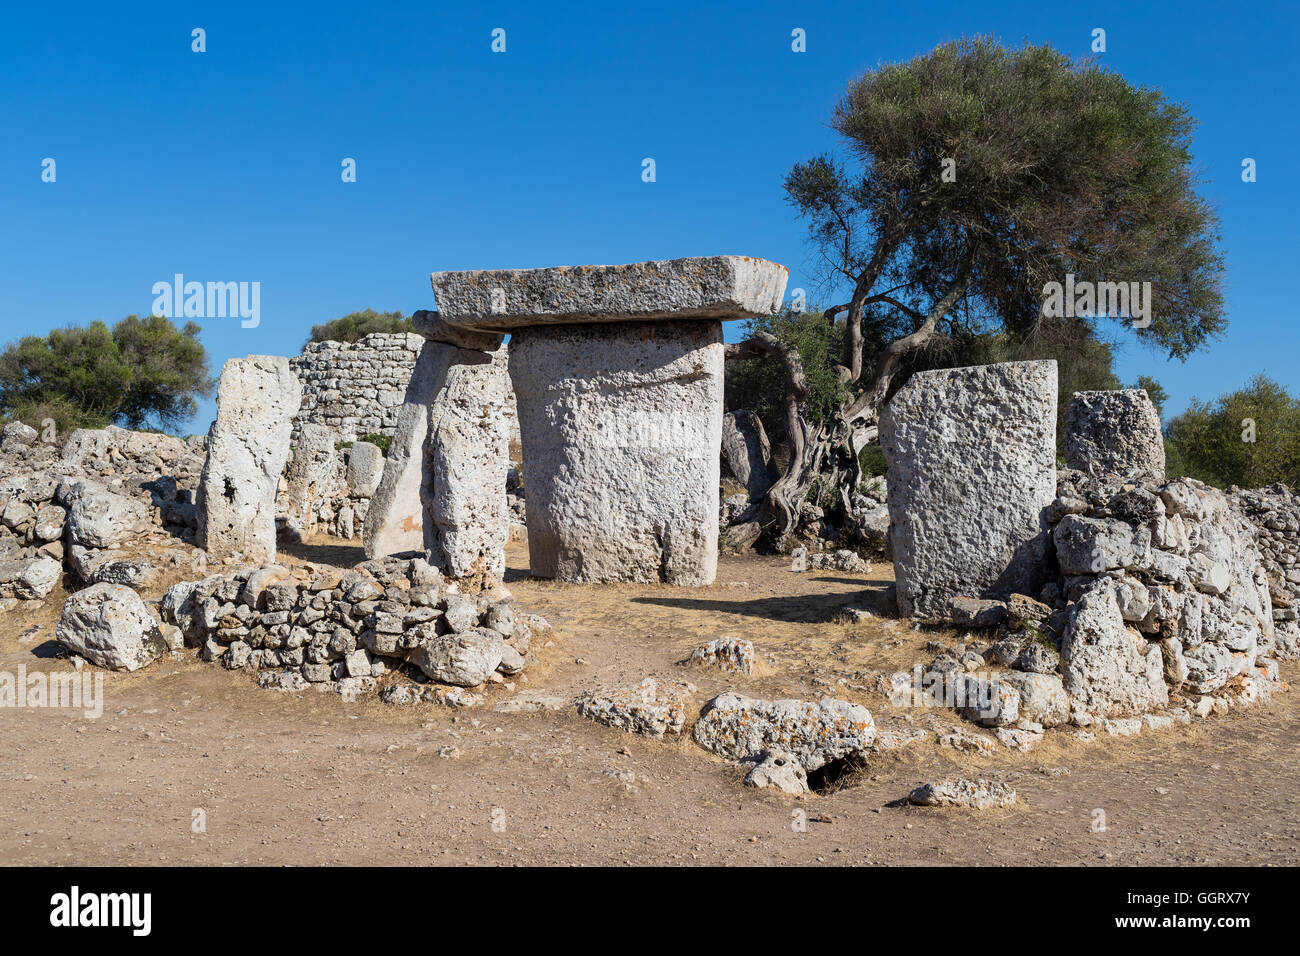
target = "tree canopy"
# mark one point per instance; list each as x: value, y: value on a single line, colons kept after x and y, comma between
x: 142, y: 372
x: 971, y: 177
x: 1249, y: 437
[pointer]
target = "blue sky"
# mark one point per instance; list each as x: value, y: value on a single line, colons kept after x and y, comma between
x: 225, y: 165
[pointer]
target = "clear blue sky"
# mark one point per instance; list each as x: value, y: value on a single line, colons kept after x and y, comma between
x: 225, y: 165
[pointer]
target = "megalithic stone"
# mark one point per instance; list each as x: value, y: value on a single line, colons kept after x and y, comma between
x: 309, y: 476
x: 701, y: 287
x: 1114, y: 433
x: 971, y: 469
x: 467, y: 453
x: 395, y: 518
x: 621, y: 428
x: 257, y: 398
x: 618, y: 377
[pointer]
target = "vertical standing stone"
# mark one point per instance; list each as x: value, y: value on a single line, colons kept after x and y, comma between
x: 621, y: 427
x: 971, y: 455
x: 747, y: 453
x: 248, y: 443
x: 395, y: 519
x: 309, y: 476
x: 467, y: 453
x: 1114, y: 433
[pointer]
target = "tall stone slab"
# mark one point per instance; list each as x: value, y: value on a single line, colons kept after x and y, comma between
x: 971, y: 456
x: 1114, y: 433
x: 466, y: 523
x: 395, y: 520
x: 621, y: 427
x: 257, y: 398
x: 309, y: 476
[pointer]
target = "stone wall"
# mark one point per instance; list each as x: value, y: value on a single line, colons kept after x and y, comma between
x: 1274, y: 513
x: 357, y: 388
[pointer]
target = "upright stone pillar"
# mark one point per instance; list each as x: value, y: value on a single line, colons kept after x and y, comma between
x: 618, y: 379
x: 1114, y: 433
x: 971, y: 462
x: 467, y: 453
x: 257, y: 398
x: 309, y: 476
x: 621, y: 427
x: 395, y: 518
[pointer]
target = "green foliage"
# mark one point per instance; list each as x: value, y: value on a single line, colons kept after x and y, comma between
x: 1056, y: 167
x: 143, y: 371
x: 1209, y: 441
x: 1084, y: 362
x: 66, y: 416
x: 357, y: 325
x: 1155, y: 391
x: 872, y: 460
x: 383, y: 441
x: 759, y: 384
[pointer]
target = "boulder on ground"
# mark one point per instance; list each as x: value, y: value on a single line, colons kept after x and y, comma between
x: 978, y: 794
x: 814, y: 732
x: 652, y: 708
x: 110, y: 626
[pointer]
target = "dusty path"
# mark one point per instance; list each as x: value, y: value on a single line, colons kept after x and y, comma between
x: 311, y: 779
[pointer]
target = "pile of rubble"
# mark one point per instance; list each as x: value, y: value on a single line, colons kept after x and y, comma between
x: 109, y: 505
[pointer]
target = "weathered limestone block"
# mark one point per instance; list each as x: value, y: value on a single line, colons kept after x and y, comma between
x: 1114, y: 433
x: 365, y: 469
x: 465, y: 520
x: 703, y: 287
x: 1108, y: 669
x: 621, y: 428
x: 309, y: 475
x: 110, y: 626
x: 395, y: 520
x: 747, y: 453
x: 437, y: 329
x: 971, y: 455
x: 248, y: 443
x: 814, y: 732
x: 97, y: 517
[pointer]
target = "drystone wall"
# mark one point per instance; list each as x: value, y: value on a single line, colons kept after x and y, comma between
x: 357, y: 388
x: 1274, y: 513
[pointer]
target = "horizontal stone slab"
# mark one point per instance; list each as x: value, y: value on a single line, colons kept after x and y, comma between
x: 435, y: 328
x: 703, y: 287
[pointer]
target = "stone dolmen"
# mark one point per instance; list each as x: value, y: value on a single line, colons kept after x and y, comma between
x: 617, y: 372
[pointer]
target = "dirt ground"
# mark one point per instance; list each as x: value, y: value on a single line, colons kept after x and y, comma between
x: 312, y: 779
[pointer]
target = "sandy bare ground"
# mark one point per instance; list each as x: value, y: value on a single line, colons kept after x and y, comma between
x: 311, y: 779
